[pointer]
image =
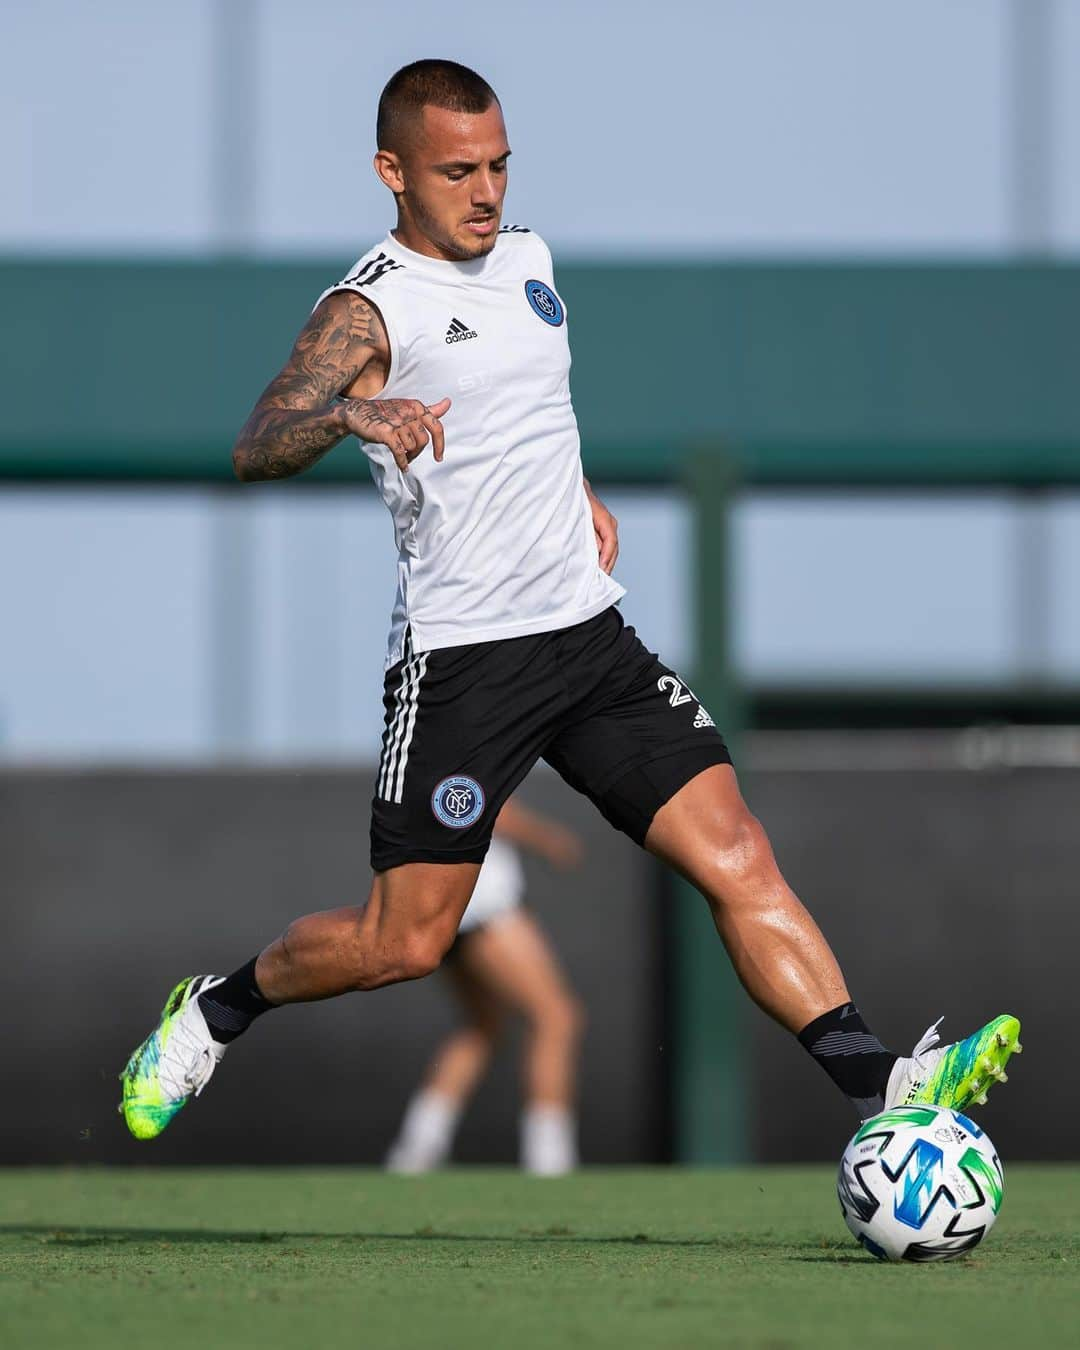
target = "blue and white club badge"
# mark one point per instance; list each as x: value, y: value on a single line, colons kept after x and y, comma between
x: 458, y: 802
x: 545, y: 303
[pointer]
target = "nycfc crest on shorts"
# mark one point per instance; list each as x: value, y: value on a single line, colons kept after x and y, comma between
x: 458, y: 802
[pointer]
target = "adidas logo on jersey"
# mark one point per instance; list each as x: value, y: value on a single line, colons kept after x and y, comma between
x: 457, y: 332
x: 702, y: 719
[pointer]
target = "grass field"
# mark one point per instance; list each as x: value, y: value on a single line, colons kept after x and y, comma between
x: 491, y: 1259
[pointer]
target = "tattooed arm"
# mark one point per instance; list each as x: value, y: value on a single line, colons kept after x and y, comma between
x: 301, y: 414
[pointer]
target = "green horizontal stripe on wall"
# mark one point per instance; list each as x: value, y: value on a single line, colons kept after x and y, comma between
x: 809, y: 372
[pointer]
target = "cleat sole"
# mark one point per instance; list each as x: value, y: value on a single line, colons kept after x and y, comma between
x: 991, y: 1064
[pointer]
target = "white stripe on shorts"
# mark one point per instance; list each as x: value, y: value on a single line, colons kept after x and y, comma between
x: 410, y: 727
x: 396, y: 745
x: 390, y: 735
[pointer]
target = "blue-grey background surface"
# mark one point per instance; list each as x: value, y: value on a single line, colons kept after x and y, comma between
x: 733, y: 126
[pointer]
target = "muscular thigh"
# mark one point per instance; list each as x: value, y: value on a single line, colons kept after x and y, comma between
x: 419, y: 897
x: 706, y: 828
x: 638, y: 735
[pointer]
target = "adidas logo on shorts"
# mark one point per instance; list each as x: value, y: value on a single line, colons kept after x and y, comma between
x: 458, y: 332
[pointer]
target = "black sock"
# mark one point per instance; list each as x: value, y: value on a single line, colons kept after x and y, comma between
x: 231, y: 1006
x: 852, y: 1056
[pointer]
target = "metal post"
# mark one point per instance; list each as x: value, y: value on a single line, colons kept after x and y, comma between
x: 233, y: 127
x: 1031, y: 124
x: 711, y: 1110
x: 1033, y: 579
x: 232, y: 623
x: 231, y: 156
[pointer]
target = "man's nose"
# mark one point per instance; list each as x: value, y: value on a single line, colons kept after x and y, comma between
x: 484, y: 191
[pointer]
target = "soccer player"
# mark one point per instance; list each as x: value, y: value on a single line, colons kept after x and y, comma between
x: 500, y: 963
x: 444, y: 351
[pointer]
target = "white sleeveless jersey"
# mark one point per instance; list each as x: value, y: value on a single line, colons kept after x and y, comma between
x: 497, y: 540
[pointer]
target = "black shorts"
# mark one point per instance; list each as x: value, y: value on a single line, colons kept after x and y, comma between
x: 464, y: 725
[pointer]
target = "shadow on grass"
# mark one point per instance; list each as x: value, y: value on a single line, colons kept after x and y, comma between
x: 96, y: 1236
x: 839, y: 1258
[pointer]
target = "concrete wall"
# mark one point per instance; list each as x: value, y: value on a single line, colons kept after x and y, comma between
x: 942, y: 890
x: 116, y: 885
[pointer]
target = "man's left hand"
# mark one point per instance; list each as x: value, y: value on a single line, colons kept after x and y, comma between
x: 607, y: 531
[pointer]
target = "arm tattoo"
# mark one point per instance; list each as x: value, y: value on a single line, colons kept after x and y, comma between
x: 297, y: 418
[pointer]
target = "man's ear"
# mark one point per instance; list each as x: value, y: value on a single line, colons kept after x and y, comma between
x: 388, y: 167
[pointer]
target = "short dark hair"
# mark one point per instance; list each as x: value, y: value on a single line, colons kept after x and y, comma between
x: 422, y: 84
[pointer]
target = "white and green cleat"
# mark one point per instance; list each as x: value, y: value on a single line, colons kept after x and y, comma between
x: 173, y: 1064
x: 957, y: 1075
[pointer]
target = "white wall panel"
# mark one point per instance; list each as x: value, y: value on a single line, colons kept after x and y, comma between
x: 656, y: 567
x: 103, y: 624
x: 326, y: 576
x: 107, y: 120
x: 110, y: 602
x: 727, y: 125
x: 865, y: 587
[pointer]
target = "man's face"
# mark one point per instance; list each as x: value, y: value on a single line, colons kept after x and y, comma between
x: 450, y: 180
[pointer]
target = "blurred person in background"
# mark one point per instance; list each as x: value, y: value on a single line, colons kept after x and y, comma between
x: 503, y: 963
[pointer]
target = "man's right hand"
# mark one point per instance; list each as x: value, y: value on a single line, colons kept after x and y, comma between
x: 403, y: 425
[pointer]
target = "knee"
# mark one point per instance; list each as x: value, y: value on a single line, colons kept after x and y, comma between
x: 487, y: 1026
x: 484, y: 1030
x: 422, y: 953
x: 410, y: 956
x: 564, y: 1017
x: 740, y: 854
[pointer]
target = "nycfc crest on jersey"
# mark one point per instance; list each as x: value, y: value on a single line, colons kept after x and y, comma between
x: 496, y: 541
x: 546, y: 304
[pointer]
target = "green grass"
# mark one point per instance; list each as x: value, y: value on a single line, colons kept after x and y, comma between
x: 491, y: 1260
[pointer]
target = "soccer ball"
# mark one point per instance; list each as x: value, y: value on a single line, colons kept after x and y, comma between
x: 920, y: 1183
